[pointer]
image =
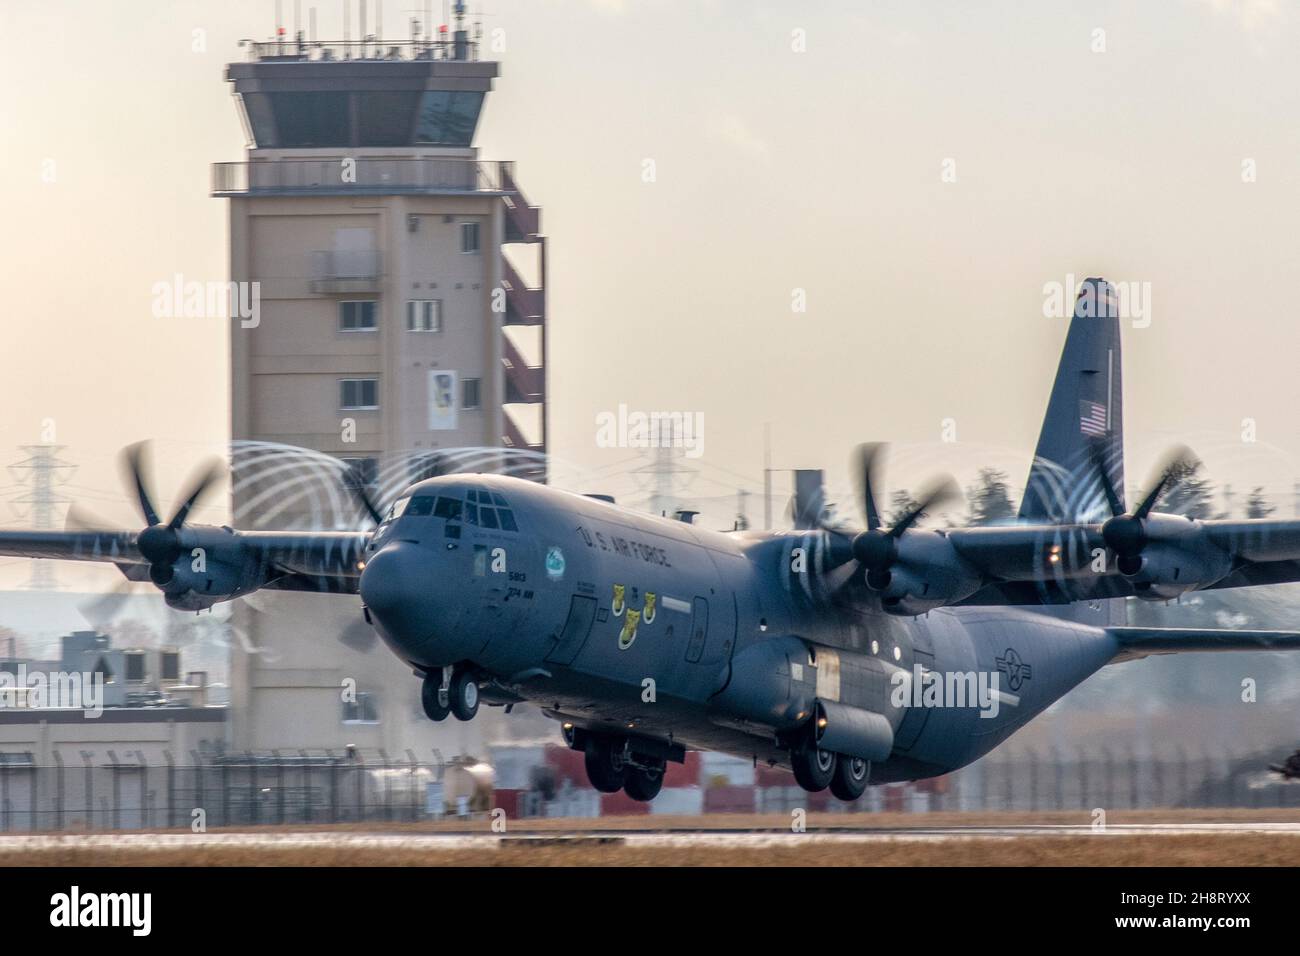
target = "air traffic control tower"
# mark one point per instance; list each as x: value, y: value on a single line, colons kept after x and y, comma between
x: 392, y: 323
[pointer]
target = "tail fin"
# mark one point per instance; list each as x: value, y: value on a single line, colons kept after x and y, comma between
x: 1085, y: 416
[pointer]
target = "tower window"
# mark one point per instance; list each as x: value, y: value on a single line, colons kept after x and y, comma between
x: 357, y: 316
x: 359, y: 393
x: 363, y: 710
x: 469, y: 239
x: 424, y: 315
x: 365, y: 471
x: 470, y: 393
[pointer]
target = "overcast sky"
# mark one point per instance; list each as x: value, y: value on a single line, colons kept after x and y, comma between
x: 920, y: 171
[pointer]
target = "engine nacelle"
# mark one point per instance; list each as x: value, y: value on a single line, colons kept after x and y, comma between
x: 928, y: 573
x: 1176, y: 560
x: 198, y: 585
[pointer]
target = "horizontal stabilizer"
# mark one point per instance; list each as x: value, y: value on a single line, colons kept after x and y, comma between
x: 1138, y: 642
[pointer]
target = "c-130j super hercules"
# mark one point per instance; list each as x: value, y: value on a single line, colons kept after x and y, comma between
x: 646, y: 636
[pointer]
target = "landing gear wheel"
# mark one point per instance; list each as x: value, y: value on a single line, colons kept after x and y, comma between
x: 850, y: 780
x: 644, y: 784
x: 606, y: 768
x: 813, y: 768
x: 433, y: 699
x: 464, y: 695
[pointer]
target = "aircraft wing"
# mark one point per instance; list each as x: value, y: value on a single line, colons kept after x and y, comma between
x: 1048, y: 564
x: 1138, y: 642
x: 236, y: 562
x: 115, y: 546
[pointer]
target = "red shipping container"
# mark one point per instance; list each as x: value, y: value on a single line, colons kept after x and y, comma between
x: 621, y: 805
x: 507, y: 800
x: 684, y: 774
x: 568, y: 765
x: 765, y: 776
x: 729, y: 800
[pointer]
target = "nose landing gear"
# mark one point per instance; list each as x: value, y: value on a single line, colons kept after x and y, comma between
x: 450, y: 690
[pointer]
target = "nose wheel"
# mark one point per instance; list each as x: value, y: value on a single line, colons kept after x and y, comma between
x: 434, y: 699
x: 450, y: 691
x: 463, y: 695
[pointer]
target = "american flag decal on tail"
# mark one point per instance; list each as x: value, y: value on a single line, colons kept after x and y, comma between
x: 1092, y: 419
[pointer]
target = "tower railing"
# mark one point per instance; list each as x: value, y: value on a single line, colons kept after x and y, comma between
x: 287, y: 50
x: 345, y: 174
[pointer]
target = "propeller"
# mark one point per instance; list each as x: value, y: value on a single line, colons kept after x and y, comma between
x: 355, y: 485
x: 877, y: 549
x: 1125, y: 533
x: 159, y: 543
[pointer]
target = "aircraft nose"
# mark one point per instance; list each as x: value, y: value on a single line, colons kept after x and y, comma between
x: 388, y: 581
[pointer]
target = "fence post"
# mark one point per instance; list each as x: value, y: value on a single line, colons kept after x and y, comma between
x: 388, y: 786
x: 334, y: 786
x: 361, y: 781
x: 33, y: 799
x: 90, y: 789
x: 171, y: 789
x: 144, y: 789
x: 306, y: 779
x: 279, y: 786
x: 58, y: 784
x: 117, y: 792
x: 415, y: 785
x: 254, y: 797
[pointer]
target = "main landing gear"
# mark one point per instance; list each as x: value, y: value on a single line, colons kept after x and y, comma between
x: 451, y: 690
x: 816, y: 769
x: 613, y: 764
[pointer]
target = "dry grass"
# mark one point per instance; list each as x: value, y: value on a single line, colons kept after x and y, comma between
x: 1230, y: 849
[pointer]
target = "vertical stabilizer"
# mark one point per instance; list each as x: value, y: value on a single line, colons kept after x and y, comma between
x: 1085, y: 416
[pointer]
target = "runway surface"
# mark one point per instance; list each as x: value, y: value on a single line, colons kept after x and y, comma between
x: 700, y: 838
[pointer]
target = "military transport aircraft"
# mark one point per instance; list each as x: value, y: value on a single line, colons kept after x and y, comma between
x: 645, y: 636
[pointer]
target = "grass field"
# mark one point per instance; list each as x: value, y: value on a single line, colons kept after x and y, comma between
x: 595, y: 842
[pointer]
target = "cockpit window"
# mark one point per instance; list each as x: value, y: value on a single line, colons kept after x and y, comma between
x: 420, y: 506
x: 449, y: 508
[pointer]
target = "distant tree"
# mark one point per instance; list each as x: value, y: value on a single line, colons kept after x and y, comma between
x: 900, y: 503
x: 1190, y: 493
x: 990, y: 498
x: 1257, y: 506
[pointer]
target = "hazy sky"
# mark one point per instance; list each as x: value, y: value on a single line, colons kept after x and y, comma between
x: 776, y: 169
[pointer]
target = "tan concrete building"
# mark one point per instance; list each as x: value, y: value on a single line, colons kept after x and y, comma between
x: 392, y: 328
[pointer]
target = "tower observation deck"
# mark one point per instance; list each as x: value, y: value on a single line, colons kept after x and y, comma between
x: 378, y: 237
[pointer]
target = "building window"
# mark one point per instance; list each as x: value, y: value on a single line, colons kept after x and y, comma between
x: 424, y: 315
x: 135, y: 666
x: 364, y: 471
x: 171, y: 665
x: 363, y: 710
x: 358, y: 316
x: 469, y: 237
x: 359, y: 393
x: 469, y: 397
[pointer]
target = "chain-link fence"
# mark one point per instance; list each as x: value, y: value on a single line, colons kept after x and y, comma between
x: 130, y: 794
x: 328, y: 788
